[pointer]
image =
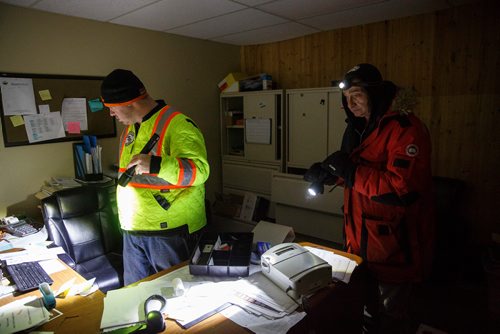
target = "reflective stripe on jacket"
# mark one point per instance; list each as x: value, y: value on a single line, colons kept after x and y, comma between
x: 176, y: 195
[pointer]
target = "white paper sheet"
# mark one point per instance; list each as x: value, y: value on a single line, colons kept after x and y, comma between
x: 74, y: 110
x: 44, y: 127
x: 262, y: 325
x: 18, y: 97
x: 29, y: 255
x: 22, y: 314
x: 258, y: 130
x: 123, y: 307
x: 44, y: 108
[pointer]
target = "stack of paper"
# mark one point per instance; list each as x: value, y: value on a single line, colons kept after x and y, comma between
x: 122, y: 308
x: 259, y: 296
x: 55, y: 184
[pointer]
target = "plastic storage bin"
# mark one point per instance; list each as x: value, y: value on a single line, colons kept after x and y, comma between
x: 222, y: 254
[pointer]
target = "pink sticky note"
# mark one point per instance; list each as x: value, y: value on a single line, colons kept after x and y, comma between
x: 73, y: 127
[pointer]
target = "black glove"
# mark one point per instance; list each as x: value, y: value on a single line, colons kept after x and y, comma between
x: 339, y: 164
x: 317, y: 173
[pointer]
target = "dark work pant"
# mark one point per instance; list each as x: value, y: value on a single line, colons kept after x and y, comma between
x: 144, y: 255
x: 386, y: 307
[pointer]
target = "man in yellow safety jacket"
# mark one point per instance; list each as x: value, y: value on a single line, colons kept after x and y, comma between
x: 163, y: 202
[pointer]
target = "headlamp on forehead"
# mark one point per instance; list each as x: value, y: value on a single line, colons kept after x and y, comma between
x: 362, y: 75
x: 344, y: 84
x: 348, y: 83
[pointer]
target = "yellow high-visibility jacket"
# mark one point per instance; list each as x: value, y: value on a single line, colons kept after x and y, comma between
x: 184, y: 170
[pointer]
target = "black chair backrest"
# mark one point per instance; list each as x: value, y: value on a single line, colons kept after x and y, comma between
x: 83, y: 221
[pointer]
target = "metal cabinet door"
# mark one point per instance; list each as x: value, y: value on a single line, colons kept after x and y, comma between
x: 260, y: 107
x: 307, y: 128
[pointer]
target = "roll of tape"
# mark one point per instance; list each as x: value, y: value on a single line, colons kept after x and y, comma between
x: 178, y: 287
x: 48, y: 296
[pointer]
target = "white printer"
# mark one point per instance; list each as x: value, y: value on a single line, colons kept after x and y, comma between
x: 295, y: 270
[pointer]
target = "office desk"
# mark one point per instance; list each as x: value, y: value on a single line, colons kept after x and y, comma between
x: 337, y: 308
x: 80, y: 314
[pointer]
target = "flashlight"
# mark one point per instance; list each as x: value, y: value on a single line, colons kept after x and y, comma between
x: 129, y: 173
x: 316, y: 188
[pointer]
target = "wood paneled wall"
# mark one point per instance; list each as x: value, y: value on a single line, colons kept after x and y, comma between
x: 450, y: 57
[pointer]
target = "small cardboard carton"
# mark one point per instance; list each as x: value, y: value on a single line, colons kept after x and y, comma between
x: 262, y: 81
x: 231, y: 82
x: 248, y: 207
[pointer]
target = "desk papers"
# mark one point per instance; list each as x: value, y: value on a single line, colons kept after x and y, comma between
x: 262, y: 325
x: 22, y: 314
x: 253, y: 302
x: 123, y: 307
x: 254, y: 296
x: 41, y: 254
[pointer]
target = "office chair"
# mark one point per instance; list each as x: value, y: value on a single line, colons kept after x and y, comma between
x: 84, y: 222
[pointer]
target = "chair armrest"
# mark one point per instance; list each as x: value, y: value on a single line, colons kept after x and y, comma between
x: 68, y: 260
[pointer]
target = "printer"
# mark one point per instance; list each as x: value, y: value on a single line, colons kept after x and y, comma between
x: 295, y: 270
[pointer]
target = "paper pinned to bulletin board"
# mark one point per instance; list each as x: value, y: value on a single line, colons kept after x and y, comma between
x: 40, y: 108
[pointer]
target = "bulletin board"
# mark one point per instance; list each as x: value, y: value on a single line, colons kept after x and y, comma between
x: 52, y: 90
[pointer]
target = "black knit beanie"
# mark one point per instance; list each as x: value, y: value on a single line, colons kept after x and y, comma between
x: 364, y: 75
x: 121, y: 87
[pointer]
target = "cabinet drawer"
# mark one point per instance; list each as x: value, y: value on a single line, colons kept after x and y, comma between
x: 254, y: 178
x: 313, y: 223
x: 291, y: 190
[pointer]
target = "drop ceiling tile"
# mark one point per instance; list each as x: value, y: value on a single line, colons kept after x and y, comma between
x: 267, y: 35
x: 22, y: 3
x: 373, y: 13
x: 168, y: 14
x: 226, y: 21
x: 240, y: 21
x: 297, y: 9
x: 101, y: 10
x: 252, y: 3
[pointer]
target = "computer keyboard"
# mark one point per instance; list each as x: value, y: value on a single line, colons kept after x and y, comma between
x: 28, y: 275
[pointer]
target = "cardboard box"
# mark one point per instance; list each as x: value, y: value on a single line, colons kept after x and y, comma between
x: 222, y: 254
x: 273, y: 233
x: 231, y: 82
x: 227, y: 205
x: 261, y: 81
x: 248, y: 207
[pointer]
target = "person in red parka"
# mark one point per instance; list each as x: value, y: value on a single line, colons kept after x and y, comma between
x: 384, y: 166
